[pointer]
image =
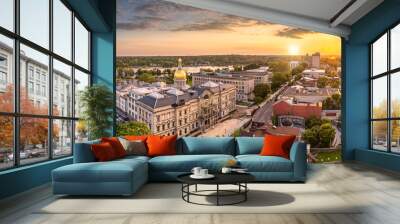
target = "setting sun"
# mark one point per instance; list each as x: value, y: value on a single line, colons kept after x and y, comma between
x: 293, y: 49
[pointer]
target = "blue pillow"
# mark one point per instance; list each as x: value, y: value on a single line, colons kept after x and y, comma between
x: 208, y: 145
x: 249, y: 145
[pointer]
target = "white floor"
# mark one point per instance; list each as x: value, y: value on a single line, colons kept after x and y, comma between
x: 377, y: 190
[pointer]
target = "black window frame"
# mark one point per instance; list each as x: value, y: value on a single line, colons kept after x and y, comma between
x: 388, y: 74
x: 16, y: 115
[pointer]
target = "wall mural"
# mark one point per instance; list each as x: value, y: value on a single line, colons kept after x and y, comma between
x: 194, y: 72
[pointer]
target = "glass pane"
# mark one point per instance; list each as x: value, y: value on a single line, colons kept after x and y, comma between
x: 6, y: 142
x: 379, y: 135
x: 81, y: 131
x: 7, y: 14
x: 81, y: 45
x: 62, y: 138
x: 395, y: 136
x: 379, y: 97
x: 35, y: 21
x: 81, y: 82
x: 6, y: 74
x: 62, y: 89
x: 395, y: 47
x: 33, y: 139
x: 395, y: 94
x: 62, y: 29
x: 379, y: 55
x: 34, y: 97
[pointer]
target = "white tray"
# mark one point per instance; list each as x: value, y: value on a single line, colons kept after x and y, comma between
x: 209, y: 176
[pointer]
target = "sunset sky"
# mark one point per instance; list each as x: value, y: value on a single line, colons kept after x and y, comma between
x: 154, y: 27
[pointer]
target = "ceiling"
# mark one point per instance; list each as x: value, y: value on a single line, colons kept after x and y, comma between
x: 326, y: 16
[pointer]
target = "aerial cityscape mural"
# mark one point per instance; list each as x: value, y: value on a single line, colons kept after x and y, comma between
x: 192, y: 72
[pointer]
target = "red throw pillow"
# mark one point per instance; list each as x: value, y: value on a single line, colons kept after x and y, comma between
x: 277, y: 145
x: 116, y: 145
x: 161, y: 145
x: 103, y: 152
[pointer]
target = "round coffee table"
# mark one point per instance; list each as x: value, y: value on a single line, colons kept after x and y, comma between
x: 238, y: 179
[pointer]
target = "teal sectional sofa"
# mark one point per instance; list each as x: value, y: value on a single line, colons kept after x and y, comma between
x: 125, y: 176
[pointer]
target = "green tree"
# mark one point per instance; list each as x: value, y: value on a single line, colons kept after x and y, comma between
x: 132, y: 128
x: 262, y: 90
x: 297, y: 70
x: 334, y: 83
x: 189, y: 80
x: 278, y: 79
x: 237, y: 68
x: 258, y: 99
x: 146, y: 77
x: 310, y: 136
x: 320, y: 135
x: 97, y: 103
x: 312, y: 121
x: 322, y: 82
x: 279, y: 66
x: 251, y: 66
x: 326, y: 135
x: 332, y: 103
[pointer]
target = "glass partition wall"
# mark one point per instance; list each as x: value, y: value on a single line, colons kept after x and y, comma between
x: 44, y: 64
x: 385, y: 91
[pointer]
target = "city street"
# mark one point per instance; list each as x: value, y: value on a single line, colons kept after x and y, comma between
x: 264, y: 113
x: 226, y: 128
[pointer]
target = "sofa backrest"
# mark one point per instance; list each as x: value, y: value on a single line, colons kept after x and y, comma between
x: 83, y: 152
x: 207, y: 145
x: 249, y: 145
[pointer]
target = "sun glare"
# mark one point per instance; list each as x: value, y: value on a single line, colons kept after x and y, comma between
x: 293, y: 49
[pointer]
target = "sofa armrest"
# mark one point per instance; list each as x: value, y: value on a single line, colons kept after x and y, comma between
x: 83, y: 152
x: 298, y: 157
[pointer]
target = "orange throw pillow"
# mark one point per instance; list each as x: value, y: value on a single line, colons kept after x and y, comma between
x: 103, y: 152
x: 136, y: 138
x: 277, y: 145
x: 116, y: 145
x: 161, y: 145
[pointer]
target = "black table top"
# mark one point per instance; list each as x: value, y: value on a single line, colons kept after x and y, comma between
x: 220, y: 178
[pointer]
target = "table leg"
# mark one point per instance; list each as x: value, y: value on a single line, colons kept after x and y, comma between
x: 195, y: 188
x: 245, y: 193
x: 188, y: 190
x: 217, y: 194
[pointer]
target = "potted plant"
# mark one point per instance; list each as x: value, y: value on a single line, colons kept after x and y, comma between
x: 97, y: 103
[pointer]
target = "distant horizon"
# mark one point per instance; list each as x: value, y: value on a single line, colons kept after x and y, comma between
x: 199, y: 55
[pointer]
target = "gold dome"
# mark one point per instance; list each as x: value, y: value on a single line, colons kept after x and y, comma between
x: 180, y: 74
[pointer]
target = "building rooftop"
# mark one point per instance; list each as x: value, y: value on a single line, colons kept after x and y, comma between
x: 260, y: 69
x: 314, y: 70
x: 176, y: 97
x: 232, y: 76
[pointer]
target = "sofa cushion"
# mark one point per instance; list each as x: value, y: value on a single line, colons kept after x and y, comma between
x: 135, y: 147
x: 185, y: 163
x: 257, y: 163
x: 161, y: 145
x: 112, y: 171
x: 208, y: 145
x: 277, y: 145
x: 249, y: 145
x: 103, y: 152
x: 116, y: 145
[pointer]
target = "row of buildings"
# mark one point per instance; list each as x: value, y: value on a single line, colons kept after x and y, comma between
x: 34, y: 81
x: 177, y: 109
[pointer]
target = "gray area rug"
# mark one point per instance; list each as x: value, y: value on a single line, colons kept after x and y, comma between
x: 166, y: 198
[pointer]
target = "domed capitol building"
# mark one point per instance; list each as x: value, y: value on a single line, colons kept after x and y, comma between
x: 180, y: 109
x: 180, y: 76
